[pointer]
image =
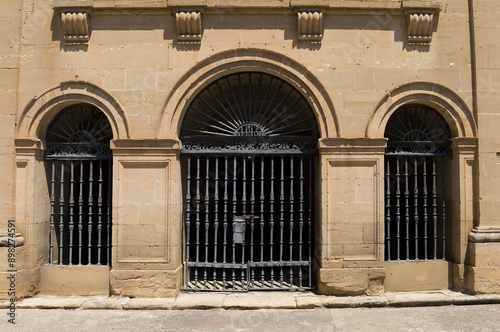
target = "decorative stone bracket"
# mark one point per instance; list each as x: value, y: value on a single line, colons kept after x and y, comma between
x: 75, y: 27
x: 420, y: 25
x: 310, y: 27
x: 188, y: 27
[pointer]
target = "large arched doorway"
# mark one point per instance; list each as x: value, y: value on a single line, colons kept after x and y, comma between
x: 248, y: 145
x: 78, y: 160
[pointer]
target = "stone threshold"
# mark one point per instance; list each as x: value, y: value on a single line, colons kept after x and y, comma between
x: 254, y: 300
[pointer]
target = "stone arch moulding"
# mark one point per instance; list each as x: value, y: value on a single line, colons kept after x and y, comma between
x: 445, y: 101
x: 205, y: 72
x: 43, y: 108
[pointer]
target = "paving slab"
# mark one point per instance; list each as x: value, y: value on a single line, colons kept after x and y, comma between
x: 52, y: 302
x: 308, y: 302
x: 267, y: 300
x: 419, y: 299
x: 199, y: 301
x: 149, y: 304
x: 115, y: 303
x: 354, y: 301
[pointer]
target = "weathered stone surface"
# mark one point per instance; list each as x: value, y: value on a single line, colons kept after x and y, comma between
x: 115, y: 303
x: 52, y: 302
x: 149, y: 304
x: 308, y: 302
x: 418, y: 299
x: 353, y: 301
x: 259, y: 301
x: 198, y: 301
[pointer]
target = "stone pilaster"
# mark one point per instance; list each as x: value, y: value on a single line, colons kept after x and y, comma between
x: 351, y: 231
x: 147, y: 220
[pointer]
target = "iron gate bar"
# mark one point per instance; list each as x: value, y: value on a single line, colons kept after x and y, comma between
x: 61, y: 216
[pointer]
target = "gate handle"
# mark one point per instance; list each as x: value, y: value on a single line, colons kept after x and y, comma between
x: 249, y: 217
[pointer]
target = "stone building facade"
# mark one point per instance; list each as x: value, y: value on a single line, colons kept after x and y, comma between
x: 344, y: 146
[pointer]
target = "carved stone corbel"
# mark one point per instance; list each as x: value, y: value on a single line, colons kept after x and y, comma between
x: 188, y: 27
x: 310, y: 26
x: 420, y: 28
x: 75, y: 27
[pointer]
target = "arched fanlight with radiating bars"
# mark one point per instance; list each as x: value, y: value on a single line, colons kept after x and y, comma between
x: 249, y: 104
x: 249, y: 112
x: 80, y: 131
x: 418, y: 129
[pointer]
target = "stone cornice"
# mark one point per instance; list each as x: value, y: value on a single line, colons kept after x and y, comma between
x: 353, y: 145
x: 144, y: 146
x: 400, y: 7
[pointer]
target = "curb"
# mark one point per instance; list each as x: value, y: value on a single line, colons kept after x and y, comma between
x: 254, y: 301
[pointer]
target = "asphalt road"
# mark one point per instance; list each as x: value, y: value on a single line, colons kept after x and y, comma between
x: 445, y: 318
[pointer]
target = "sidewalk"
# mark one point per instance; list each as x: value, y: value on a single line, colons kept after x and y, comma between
x: 255, y: 300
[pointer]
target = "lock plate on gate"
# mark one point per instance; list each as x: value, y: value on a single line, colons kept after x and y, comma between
x: 239, y: 226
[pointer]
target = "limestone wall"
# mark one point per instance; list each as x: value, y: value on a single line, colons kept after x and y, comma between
x: 356, y: 66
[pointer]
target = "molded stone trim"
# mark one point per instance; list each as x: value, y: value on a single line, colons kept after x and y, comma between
x: 485, y: 234
x: 420, y: 28
x: 75, y: 25
x: 188, y: 27
x: 310, y: 26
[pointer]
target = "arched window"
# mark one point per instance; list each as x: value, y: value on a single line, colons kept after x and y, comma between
x: 248, y: 145
x: 415, y: 186
x: 79, y: 166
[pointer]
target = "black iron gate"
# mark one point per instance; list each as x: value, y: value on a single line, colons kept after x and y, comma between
x: 248, y: 145
x: 249, y: 221
x: 415, y: 186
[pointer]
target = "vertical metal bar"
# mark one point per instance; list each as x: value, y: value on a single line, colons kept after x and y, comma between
x: 388, y: 209
x: 91, y: 205
x: 52, y: 212
x: 425, y: 209
x: 224, y: 244
x: 309, y: 218
x: 252, y: 223
x: 197, y: 220
x: 235, y: 199
x: 271, y: 221
x: 244, y: 204
x: 282, y: 220
x: 415, y: 204
x: 292, y: 199
x: 262, y: 198
x: 188, y: 215
x: 80, y: 215
x: 207, y: 212
x: 434, y: 205
x: 407, y: 210
x: 398, y: 212
x: 301, y: 213
x: 71, y: 210
x: 99, y: 215
x: 216, y: 217
x: 444, y: 206
x: 108, y: 223
x: 61, y: 216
